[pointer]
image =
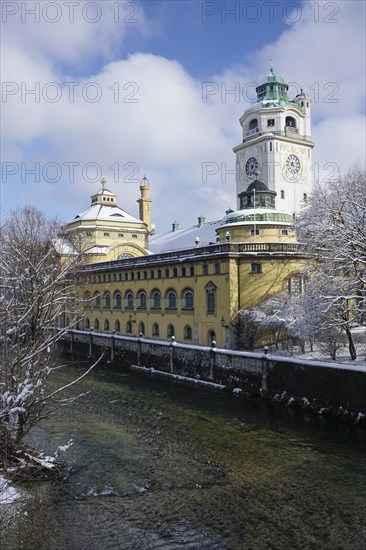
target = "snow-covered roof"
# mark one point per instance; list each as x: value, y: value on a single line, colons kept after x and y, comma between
x: 184, y: 238
x: 266, y: 216
x: 105, y: 213
x: 98, y: 250
x: 105, y: 192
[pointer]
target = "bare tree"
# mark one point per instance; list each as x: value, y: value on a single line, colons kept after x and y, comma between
x: 247, y: 330
x: 333, y: 227
x: 36, y: 294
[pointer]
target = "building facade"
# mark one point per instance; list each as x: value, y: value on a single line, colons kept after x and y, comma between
x: 129, y: 283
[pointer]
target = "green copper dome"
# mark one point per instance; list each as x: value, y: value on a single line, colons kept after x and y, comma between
x: 272, y: 90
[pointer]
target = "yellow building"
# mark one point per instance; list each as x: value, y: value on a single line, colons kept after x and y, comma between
x: 190, y: 283
x: 105, y: 232
x: 194, y: 293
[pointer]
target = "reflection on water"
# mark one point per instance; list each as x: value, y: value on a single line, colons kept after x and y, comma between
x: 158, y: 465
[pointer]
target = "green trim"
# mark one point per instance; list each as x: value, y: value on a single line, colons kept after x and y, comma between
x: 264, y: 217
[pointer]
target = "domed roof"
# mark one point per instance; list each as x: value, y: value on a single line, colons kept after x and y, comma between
x: 257, y: 205
x: 104, y: 208
x: 105, y: 213
x: 257, y: 185
x: 272, y: 78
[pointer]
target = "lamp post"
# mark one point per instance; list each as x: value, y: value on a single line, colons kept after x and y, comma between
x: 222, y: 322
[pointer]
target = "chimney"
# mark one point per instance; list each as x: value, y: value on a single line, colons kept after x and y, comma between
x: 201, y: 220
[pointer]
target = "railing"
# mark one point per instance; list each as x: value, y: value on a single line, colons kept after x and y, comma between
x: 252, y: 132
x: 289, y: 130
x: 170, y: 257
x: 270, y: 247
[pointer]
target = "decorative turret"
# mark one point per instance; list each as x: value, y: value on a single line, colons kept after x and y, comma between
x: 257, y: 219
x: 272, y: 91
x: 145, y: 203
x: 104, y: 196
x: 257, y: 195
x: 303, y: 101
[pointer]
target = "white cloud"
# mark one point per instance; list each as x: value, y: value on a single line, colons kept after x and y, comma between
x: 169, y: 132
x: 71, y: 32
x: 340, y: 143
x: 325, y: 54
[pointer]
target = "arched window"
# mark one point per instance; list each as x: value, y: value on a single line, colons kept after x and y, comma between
x: 156, y: 300
x: 96, y: 324
x: 129, y: 300
x: 211, y: 337
x: 188, y: 300
x: 210, y: 298
x: 291, y: 121
x: 106, y: 300
x: 87, y: 299
x: 129, y: 327
x: 170, y: 331
x: 117, y: 326
x: 142, y: 328
x: 142, y: 300
x: 117, y: 299
x: 87, y: 323
x: 253, y: 124
x: 171, y: 300
x: 187, y: 333
x: 106, y: 324
x: 96, y: 299
x: 155, y: 329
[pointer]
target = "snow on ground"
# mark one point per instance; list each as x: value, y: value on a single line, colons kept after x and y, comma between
x: 343, y: 356
x: 7, y: 492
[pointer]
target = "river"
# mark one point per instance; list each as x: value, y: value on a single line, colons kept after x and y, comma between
x: 160, y: 465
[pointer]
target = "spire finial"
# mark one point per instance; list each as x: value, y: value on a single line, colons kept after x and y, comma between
x: 271, y: 67
x: 103, y: 181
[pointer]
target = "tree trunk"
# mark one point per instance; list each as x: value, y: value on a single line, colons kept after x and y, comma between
x: 351, y: 345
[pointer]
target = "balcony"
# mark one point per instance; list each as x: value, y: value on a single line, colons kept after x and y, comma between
x: 291, y: 130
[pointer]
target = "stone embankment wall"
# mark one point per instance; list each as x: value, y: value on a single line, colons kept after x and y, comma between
x: 327, y: 388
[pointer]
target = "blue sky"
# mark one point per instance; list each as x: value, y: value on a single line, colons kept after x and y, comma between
x: 149, y: 62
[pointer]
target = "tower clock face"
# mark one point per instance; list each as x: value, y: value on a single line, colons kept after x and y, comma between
x: 293, y: 164
x: 251, y: 166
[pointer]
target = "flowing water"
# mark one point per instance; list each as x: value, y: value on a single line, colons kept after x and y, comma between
x: 160, y: 465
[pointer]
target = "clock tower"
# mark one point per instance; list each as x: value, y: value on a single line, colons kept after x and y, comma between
x: 277, y: 144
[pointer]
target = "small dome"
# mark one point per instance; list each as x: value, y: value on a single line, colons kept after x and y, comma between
x: 272, y: 78
x: 257, y: 185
